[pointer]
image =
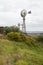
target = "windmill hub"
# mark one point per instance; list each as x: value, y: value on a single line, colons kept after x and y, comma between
x: 23, y: 13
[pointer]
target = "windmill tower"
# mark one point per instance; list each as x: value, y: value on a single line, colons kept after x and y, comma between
x: 23, y: 15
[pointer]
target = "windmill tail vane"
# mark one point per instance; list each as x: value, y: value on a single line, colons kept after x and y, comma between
x: 29, y: 12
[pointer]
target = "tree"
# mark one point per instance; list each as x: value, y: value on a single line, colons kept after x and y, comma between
x: 11, y: 29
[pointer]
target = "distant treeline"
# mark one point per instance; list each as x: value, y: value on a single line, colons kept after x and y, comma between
x: 5, y: 30
x: 1, y: 30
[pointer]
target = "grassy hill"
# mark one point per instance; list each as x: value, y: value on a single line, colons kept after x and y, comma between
x: 20, y: 53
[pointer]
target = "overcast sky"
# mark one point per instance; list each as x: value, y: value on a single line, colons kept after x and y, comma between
x: 10, y: 13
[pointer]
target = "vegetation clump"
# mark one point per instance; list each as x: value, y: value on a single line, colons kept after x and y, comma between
x: 40, y: 38
x: 17, y: 36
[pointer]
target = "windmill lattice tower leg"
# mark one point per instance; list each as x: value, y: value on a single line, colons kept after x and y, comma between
x: 24, y: 25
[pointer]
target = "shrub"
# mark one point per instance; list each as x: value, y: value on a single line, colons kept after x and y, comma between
x: 6, y: 30
x: 1, y: 30
x: 11, y: 29
x: 20, y: 37
x: 17, y: 36
x: 40, y: 38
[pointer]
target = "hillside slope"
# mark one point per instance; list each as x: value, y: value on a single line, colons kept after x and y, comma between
x: 19, y: 53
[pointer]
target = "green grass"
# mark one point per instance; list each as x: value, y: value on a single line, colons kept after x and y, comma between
x: 19, y: 53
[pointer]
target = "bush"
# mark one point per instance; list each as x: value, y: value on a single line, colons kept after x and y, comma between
x: 17, y: 36
x: 1, y: 30
x: 20, y: 37
x: 11, y: 29
x: 13, y: 36
x: 40, y: 38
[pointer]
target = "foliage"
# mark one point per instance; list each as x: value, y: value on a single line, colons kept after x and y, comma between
x: 40, y: 38
x: 17, y: 36
x: 20, y: 37
x: 11, y: 29
x: 1, y: 29
x: 6, y: 30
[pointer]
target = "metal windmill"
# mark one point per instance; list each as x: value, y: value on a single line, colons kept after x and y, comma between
x: 23, y: 15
